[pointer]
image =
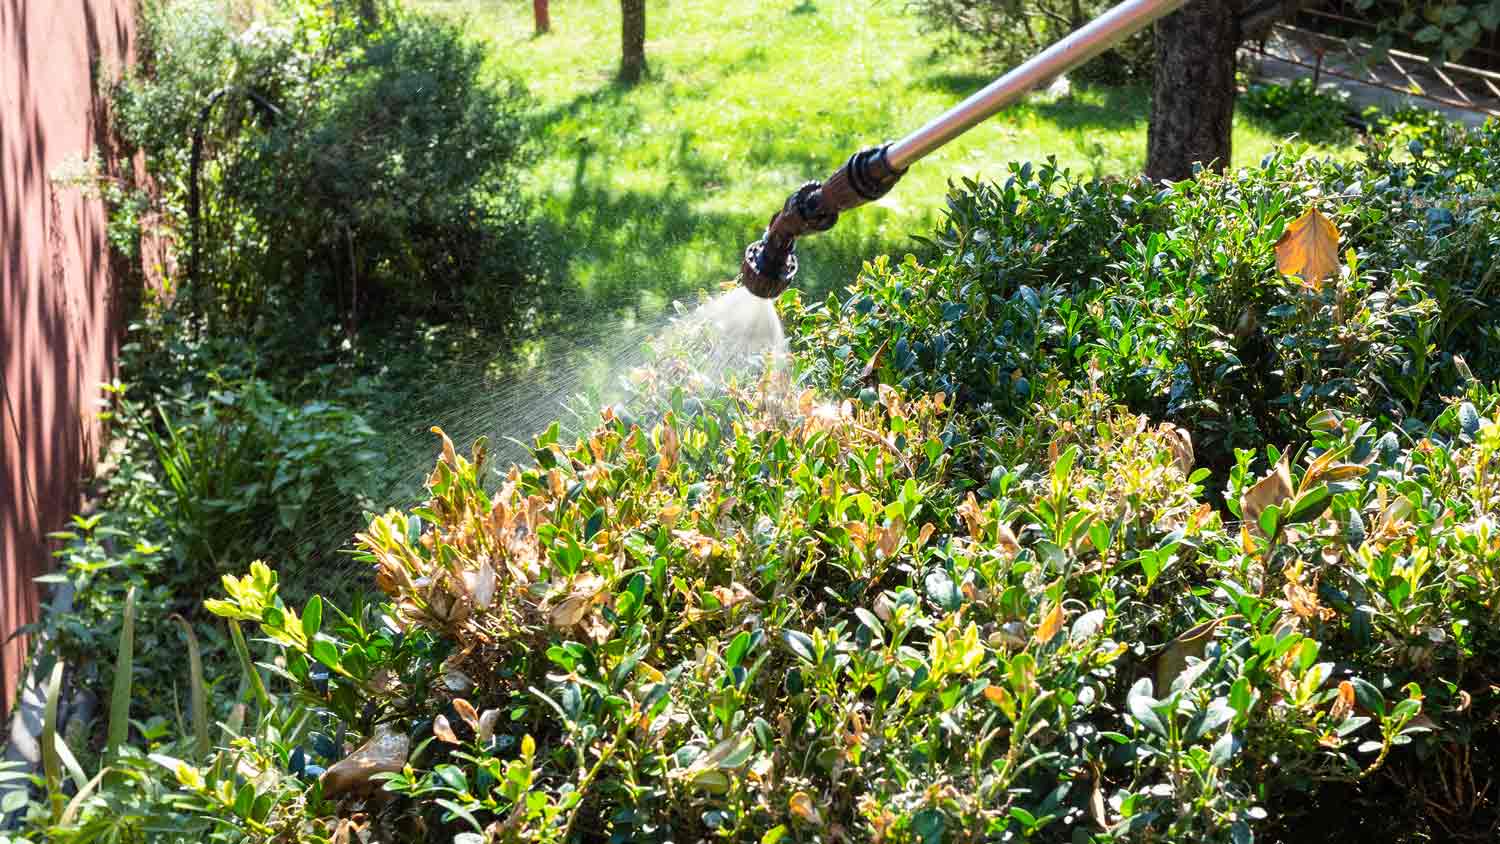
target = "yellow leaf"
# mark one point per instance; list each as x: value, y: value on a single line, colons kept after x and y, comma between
x: 1050, y: 625
x: 1309, y: 249
x: 1001, y: 698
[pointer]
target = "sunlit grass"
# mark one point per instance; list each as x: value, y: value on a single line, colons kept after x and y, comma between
x: 653, y: 192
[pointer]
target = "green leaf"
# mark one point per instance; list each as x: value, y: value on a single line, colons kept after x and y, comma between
x: 737, y: 649
x: 1224, y: 749
x: 244, y: 800
x: 941, y: 589
x: 198, y: 690
x: 13, y: 801
x: 324, y: 651
x: 247, y: 665
x: 312, y: 617
x: 801, y: 645
x: 1140, y: 703
x: 460, y: 811
x: 119, y: 702
x: 1064, y: 465
x: 1309, y: 505
x: 1026, y: 819
x: 51, y: 762
x: 1099, y: 537
x: 1368, y: 696
x: 1468, y: 419
x: 869, y: 620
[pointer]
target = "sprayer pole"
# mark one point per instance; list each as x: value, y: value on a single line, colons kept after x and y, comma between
x: 1082, y: 44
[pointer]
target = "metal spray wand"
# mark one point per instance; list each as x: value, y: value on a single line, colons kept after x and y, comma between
x: 771, y: 262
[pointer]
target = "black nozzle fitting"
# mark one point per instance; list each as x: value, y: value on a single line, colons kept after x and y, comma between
x: 771, y: 262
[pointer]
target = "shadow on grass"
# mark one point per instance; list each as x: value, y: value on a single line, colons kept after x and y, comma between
x: 641, y: 249
x: 1105, y: 108
x: 631, y: 251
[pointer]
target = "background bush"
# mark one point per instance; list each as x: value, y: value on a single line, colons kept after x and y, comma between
x: 1171, y: 298
x: 351, y: 170
x: 1300, y: 109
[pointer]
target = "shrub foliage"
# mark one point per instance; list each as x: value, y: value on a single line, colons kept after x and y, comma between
x: 348, y: 167
x: 1096, y: 525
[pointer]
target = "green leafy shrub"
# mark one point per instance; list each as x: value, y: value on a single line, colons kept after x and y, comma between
x: 349, y: 170
x: 1102, y: 524
x: 762, y: 616
x: 221, y: 465
x: 1174, y: 298
x: 1298, y: 109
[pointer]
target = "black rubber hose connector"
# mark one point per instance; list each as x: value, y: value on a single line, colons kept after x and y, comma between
x: 771, y: 262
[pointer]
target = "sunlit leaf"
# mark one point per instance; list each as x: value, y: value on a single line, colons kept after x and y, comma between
x: 1050, y: 625
x: 1309, y: 249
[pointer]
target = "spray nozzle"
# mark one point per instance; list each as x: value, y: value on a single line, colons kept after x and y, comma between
x: 771, y: 262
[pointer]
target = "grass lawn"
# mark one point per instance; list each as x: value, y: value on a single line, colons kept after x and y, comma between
x: 653, y: 192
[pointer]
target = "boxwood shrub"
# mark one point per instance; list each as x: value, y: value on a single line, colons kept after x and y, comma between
x: 1089, y: 527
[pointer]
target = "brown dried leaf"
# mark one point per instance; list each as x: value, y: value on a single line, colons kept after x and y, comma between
x: 802, y: 806
x: 1193, y: 643
x: 1096, y: 800
x: 1181, y: 444
x: 734, y: 594
x: 1309, y: 249
x: 926, y: 533
x: 1393, y: 516
x: 1343, y: 704
x: 385, y: 752
x: 1273, y: 489
x: 481, y: 585
x: 1006, y: 540
x: 467, y: 712
x: 890, y: 538
x: 570, y: 611
x: 970, y: 513
x: 449, y: 455
x: 872, y: 368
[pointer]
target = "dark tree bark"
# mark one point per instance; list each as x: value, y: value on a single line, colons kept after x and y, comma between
x: 633, y: 40
x: 543, y: 19
x: 1192, y: 96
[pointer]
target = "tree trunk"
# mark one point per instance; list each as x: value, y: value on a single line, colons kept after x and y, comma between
x: 543, y: 19
x: 1192, y: 97
x: 633, y: 40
